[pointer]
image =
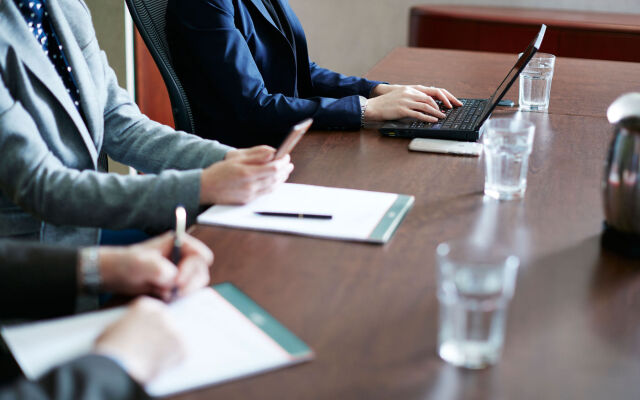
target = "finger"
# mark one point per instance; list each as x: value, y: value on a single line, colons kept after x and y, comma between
x: 421, y: 116
x: 417, y: 95
x: 261, y: 178
x: 257, y: 172
x: 283, y: 173
x: 280, y: 162
x: 266, y: 190
x: 156, y: 293
x: 163, y: 243
x: 262, y: 187
x: 147, y: 304
x: 201, y: 280
x: 233, y: 154
x: 161, y: 272
x: 278, y: 178
x: 258, y: 154
x: 430, y: 100
x: 427, y: 109
x: 261, y: 150
x: 189, y: 268
x: 451, y: 97
x: 286, y: 159
x: 269, y: 184
x: 194, y: 247
x: 422, y: 99
x: 442, y: 97
x: 163, y: 294
x: 197, y: 279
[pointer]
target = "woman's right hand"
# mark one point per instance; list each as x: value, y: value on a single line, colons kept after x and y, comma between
x: 244, y: 175
x: 390, y: 102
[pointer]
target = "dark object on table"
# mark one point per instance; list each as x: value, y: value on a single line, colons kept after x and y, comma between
x: 621, y: 185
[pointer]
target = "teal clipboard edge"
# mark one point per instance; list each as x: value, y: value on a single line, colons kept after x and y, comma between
x: 392, y: 219
x: 296, y: 348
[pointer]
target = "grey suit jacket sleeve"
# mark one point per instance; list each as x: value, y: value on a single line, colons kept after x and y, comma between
x: 87, y: 378
x: 133, y: 139
x: 36, y: 281
x: 34, y: 178
x: 50, y: 178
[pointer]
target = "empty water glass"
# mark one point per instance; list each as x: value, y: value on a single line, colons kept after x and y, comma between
x: 475, y: 286
x: 535, y: 82
x: 507, y: 145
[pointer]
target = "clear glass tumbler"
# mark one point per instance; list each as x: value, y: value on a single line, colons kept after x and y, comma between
x: 535, y: 83
x: 507, y: 145
x: 474, y: 290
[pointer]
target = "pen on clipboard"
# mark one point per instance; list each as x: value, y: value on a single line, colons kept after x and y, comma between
x: 293, y: 215
x: 181, y: 226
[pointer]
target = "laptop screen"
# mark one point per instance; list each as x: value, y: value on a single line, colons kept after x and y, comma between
x: 522, y: 62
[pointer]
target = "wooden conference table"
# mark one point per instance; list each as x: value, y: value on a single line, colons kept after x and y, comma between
x: 370, y: 312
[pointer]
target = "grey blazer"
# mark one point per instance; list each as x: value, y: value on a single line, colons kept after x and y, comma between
x: 51, y: 185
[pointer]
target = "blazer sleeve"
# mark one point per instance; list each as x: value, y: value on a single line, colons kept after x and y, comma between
x: 36, y: 281
x: 332, y: 84
x: 88, y: 378
x: 206, y: 31
x: 35, y: 179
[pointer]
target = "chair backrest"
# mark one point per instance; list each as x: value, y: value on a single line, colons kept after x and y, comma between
x: 149, y: 16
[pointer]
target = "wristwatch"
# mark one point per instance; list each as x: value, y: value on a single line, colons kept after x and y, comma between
x: 89, y: 269
x: 363, y: 109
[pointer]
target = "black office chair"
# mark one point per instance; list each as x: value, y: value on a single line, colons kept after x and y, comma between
x: 150, y: 19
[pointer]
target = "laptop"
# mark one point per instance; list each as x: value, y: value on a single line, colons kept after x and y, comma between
x: 464, y: 123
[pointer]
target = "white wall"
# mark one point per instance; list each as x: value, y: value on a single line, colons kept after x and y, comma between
x: 108, y: 20
x: 350, y: 36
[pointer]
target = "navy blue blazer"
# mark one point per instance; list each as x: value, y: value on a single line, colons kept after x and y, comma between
x: 246, y: 83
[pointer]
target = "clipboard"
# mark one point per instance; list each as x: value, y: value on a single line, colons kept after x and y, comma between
x: 356, y: 215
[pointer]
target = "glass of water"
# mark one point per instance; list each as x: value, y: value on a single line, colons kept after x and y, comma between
x: 535, y: 82
x: 475, y: 286
x: 507, y: 145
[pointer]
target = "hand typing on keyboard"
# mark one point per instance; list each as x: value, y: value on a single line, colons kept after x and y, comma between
x: 391, y: 102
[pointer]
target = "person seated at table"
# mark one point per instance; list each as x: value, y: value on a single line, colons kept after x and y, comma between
x: 39, y: 281
x: 62, y: 112
x: 246, y: 70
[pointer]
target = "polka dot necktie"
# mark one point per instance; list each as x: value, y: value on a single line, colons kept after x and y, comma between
x: 40, y: 24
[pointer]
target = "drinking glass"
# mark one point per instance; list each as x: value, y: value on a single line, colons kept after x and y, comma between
x: 535, y: 82
x: 475, y: 286
x: 507, y: 145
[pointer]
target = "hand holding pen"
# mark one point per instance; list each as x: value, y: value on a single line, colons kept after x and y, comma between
x: 145, y: 268
x: 190, y: 274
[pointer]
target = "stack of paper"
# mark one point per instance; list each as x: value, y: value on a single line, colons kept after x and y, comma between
x: 356, y: 214
x: 228, y: 336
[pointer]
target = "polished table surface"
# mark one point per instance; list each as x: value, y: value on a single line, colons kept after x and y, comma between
x: 370, y: 312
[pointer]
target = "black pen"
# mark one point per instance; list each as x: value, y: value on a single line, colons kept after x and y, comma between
x: 293, y: 215
x: 181, y: 226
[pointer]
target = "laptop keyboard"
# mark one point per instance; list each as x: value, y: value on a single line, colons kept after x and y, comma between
x: 457, y: 118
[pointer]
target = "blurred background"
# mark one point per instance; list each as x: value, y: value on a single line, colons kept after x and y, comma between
x: 348, y: 36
